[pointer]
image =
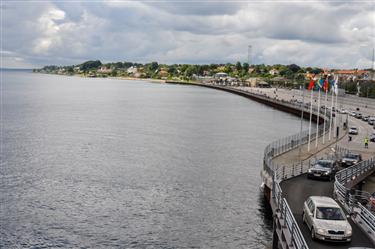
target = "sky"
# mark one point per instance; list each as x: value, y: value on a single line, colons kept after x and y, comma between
x: 329, y: 34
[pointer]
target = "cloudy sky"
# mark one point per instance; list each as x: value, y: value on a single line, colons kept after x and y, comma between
x: 339, y: 34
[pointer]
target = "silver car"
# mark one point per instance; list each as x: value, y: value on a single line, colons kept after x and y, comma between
x: 353, y: 131
x: 326, y: 220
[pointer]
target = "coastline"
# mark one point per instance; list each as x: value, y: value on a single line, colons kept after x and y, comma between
x: 151, y: 80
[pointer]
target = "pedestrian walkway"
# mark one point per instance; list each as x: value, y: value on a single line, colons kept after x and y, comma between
x: 302, y: 154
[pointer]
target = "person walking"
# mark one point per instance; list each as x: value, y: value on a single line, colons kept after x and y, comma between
x: 366, y: 142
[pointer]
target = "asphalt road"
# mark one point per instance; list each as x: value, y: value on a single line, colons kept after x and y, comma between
x: 297, y: 190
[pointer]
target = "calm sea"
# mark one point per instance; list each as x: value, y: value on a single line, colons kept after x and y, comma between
x: 103, y: 163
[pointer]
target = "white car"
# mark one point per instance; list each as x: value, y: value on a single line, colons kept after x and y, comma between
x: 326, y: 220
x: 353, y: 131
x: 343, y: 111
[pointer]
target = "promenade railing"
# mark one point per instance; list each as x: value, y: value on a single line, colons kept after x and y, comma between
x: 285, y: 215
x: 280, y: 173
x: 352, y: 200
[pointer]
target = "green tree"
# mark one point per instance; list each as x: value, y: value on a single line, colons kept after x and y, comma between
x: 154, y: 65
x: 89, y: 65
x: 294, y: 68
x: 245, y: 67
x: 316, y: 70
x: 238, y: 66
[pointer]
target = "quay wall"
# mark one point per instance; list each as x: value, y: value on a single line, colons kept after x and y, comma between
x: 277, y: 104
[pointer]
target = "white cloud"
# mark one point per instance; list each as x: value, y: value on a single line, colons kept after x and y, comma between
x: 314, y: 33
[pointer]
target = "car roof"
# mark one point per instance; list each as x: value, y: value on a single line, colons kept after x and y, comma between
x: 324, y: 160
x: 324, y: 201
x: 352, y: 154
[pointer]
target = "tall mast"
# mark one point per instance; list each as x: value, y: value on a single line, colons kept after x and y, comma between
x: 249, y: 55
x: 373, y: 64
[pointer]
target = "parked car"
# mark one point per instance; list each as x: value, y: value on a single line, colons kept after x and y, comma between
x: 324, y: 169
x: 352, y: 114
x: 350, y: 159
x: 353, y: 130
x: 365, y: 118
x: 343, y: 111
x: 358, y: 115
x: 326, y: 220
x: 372, y: 138
x: 371, y: 121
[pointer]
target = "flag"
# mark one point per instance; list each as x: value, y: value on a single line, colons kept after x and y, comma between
x: 335, y: 88
x: 320, y: 83
x: 326, y: 85
x: 331, y: 84
x: 311, y: 85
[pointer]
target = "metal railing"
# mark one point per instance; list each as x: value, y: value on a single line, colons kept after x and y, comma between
x: 280, y: 173
x: 353, y: 200
x: 285, y: 214
x: 285, y: 144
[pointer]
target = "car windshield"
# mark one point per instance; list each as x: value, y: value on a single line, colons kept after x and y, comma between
x: 325, y: 164
x: 351, y: 156
x: 329, y: 213
x: 353, y: 128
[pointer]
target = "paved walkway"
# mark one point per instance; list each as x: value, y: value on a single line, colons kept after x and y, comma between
x: 297, y: 155
x: 322, y: 150
x: 348, y: 102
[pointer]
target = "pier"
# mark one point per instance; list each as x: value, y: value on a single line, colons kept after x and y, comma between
x: 286, y: 186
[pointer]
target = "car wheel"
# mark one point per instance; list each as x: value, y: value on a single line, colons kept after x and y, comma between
x: 313, y: 234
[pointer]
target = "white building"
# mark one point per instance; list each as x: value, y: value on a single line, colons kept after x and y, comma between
x: 132, y: 70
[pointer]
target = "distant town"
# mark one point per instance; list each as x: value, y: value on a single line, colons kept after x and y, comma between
x: 353, y: 81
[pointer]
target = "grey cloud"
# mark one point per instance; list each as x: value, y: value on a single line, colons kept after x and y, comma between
x: 183, y: 32
x: 198, y: 8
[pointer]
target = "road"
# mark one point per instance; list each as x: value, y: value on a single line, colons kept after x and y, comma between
x: 296, y: 197
x: 349, y: 102
x: 296, y: 190
x: 357, y: 143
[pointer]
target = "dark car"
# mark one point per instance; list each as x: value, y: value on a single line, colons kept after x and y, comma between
x: 324, y: 169
x: 358, y: 115
x: 372, y: 138
x: 351, y: 159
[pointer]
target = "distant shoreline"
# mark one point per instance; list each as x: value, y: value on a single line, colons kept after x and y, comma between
x: 125, y: 78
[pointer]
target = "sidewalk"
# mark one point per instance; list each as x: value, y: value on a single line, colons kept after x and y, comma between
x: 296, y: 155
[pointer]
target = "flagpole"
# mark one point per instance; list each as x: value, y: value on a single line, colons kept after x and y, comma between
x: 325, y: 115
x: 311, y: 100
x: 337, y: 93
x: 302, y: 112
x: 317, y: 121
x: 330, y: 119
